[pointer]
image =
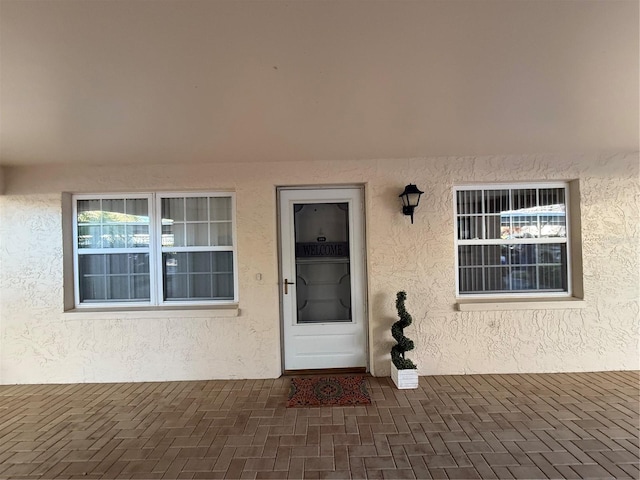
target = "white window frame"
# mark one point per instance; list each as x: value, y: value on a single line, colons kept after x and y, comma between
x: 544, y: 240
x: 160, y: 249
x: 155, y: 250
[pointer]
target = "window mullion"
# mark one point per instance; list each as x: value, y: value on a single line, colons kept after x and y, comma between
x: 106, y: 282
x: 482, y: 215
x: 482, y: 269
x: 158, y: 267
x: 209, y: 221
x: 131, y: 280
x: 223, y: 248
x: 514, y: 241
x: 483, y: 220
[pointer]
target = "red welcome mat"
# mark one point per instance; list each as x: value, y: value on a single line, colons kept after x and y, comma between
x: 317, y: 391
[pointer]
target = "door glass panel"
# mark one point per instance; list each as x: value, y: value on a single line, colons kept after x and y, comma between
x: 323, y: 270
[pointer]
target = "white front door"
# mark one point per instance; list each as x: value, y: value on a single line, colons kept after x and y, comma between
x: 322, y: 281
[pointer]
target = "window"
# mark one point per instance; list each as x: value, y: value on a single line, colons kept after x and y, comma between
x: 512, y: 240
x: 154, y: 249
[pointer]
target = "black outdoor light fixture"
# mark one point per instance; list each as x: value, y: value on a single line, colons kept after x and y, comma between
x: 410, y: 199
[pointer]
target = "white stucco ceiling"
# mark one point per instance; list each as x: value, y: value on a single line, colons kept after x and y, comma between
x: 217, y: 81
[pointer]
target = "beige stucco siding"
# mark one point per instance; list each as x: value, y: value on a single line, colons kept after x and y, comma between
x: 42, y: 343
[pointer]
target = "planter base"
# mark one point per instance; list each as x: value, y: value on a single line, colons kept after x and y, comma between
x: 404, y: 379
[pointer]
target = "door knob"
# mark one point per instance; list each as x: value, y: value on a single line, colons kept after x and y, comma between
x: 286, y: 285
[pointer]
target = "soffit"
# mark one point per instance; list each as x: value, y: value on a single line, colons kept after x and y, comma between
x: 200, y: 81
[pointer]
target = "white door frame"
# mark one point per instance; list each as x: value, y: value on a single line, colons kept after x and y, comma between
x: 358, y: 259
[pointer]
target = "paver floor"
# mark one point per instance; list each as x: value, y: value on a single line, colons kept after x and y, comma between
x: 582, y: 425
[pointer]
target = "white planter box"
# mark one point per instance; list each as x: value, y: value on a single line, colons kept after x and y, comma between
x: 404, y: 378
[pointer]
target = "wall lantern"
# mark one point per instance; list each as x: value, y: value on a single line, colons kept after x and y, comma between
x: 410, y: 199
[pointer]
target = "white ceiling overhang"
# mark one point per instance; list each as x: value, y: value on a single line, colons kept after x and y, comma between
x: 98, y: 82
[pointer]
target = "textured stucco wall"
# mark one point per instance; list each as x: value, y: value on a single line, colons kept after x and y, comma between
x: 41, y: 343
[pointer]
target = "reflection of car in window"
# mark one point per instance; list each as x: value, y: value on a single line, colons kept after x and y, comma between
x: 531, y: 254
x: 518, y: 280
x: 533, y: 265
x: 536, y: 222
x: 171, y: 264
x: 550, y: 253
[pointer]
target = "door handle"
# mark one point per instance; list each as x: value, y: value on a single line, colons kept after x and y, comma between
x: 286, y: 284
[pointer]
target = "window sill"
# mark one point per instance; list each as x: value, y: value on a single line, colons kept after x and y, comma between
x: 207, y: 311
x: 519, y: 304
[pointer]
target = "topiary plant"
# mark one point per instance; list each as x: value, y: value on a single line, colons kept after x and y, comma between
x: 404, y: 344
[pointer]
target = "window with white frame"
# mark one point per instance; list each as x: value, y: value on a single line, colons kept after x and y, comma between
x: 154, y: 249
x: 512, y: 240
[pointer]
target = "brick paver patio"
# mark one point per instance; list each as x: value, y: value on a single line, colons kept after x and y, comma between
x: 582, y: 425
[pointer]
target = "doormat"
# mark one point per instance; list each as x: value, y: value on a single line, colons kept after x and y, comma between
x: 318, y: 391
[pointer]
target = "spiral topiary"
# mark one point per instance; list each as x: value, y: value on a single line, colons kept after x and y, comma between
x: 404, y: 344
